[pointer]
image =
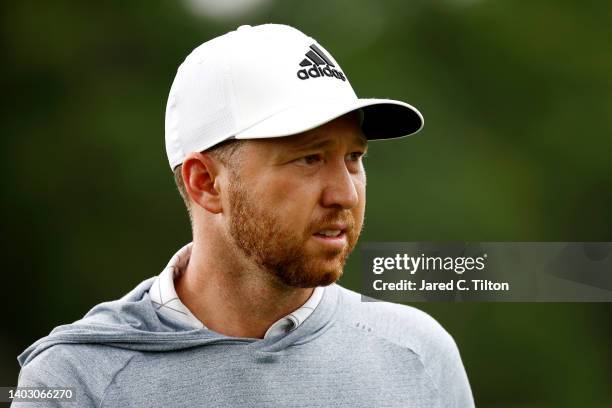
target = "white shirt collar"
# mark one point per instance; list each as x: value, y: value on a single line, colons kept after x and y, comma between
x: 168, y: 304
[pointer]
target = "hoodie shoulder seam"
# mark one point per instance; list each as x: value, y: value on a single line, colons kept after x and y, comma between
x: 112, y: 380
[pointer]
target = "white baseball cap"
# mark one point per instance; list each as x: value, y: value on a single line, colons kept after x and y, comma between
x: 268, y: 81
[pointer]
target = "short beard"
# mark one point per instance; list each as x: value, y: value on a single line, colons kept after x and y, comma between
x: 260, y: 236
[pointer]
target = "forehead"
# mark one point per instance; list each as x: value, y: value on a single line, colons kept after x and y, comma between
x: 344, y: 129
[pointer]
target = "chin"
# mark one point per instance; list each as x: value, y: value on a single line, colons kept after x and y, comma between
x: 329, y: 278
x: 324, y: 279
x: 311, y: 274
x: 324, y: 275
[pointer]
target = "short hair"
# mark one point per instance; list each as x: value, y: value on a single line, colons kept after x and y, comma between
x: 224, y: 152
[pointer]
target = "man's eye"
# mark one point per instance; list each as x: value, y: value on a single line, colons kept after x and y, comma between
x: 356, y: 156
x: 310, y: 159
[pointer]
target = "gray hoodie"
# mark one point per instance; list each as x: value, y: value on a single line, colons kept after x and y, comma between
x: 348, y: 353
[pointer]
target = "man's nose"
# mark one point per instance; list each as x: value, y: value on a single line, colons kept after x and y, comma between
x: 340, y: 189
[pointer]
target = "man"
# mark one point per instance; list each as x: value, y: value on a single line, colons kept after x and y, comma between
x: 266, y: 137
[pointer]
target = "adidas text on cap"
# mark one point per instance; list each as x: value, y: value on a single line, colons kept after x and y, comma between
x: 267, y: 81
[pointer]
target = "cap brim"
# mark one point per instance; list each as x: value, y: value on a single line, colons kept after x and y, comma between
x: 383, y: 119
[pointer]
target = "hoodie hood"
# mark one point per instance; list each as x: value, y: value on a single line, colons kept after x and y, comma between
x: 132, y: 323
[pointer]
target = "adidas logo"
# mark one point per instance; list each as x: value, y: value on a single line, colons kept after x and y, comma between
x: 315, y: 59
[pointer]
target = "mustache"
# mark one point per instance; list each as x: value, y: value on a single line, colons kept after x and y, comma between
x: 344, y: 217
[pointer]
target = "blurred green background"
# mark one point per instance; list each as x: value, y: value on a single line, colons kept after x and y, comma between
x: 517, y: 98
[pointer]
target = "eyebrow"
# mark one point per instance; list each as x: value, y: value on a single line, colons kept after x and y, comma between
x: 316, y: 144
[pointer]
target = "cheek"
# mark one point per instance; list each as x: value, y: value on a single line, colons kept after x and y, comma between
x: 290, y: 198
x: 360, y: 208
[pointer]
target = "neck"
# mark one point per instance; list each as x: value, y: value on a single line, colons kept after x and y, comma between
x: 231, y: 296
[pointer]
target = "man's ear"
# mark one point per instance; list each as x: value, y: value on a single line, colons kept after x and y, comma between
x: 200, y: 174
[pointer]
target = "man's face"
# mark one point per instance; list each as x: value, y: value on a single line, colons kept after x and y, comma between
x: 297, y: 203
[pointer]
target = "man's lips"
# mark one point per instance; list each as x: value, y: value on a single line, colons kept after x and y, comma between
x: 332, y: 230
x: 336, y: 243
x: 336, y: 235
x: 332, y: 235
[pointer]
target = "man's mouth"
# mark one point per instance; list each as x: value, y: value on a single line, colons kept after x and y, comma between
x: 332, y: 235
x: 329, y: 233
